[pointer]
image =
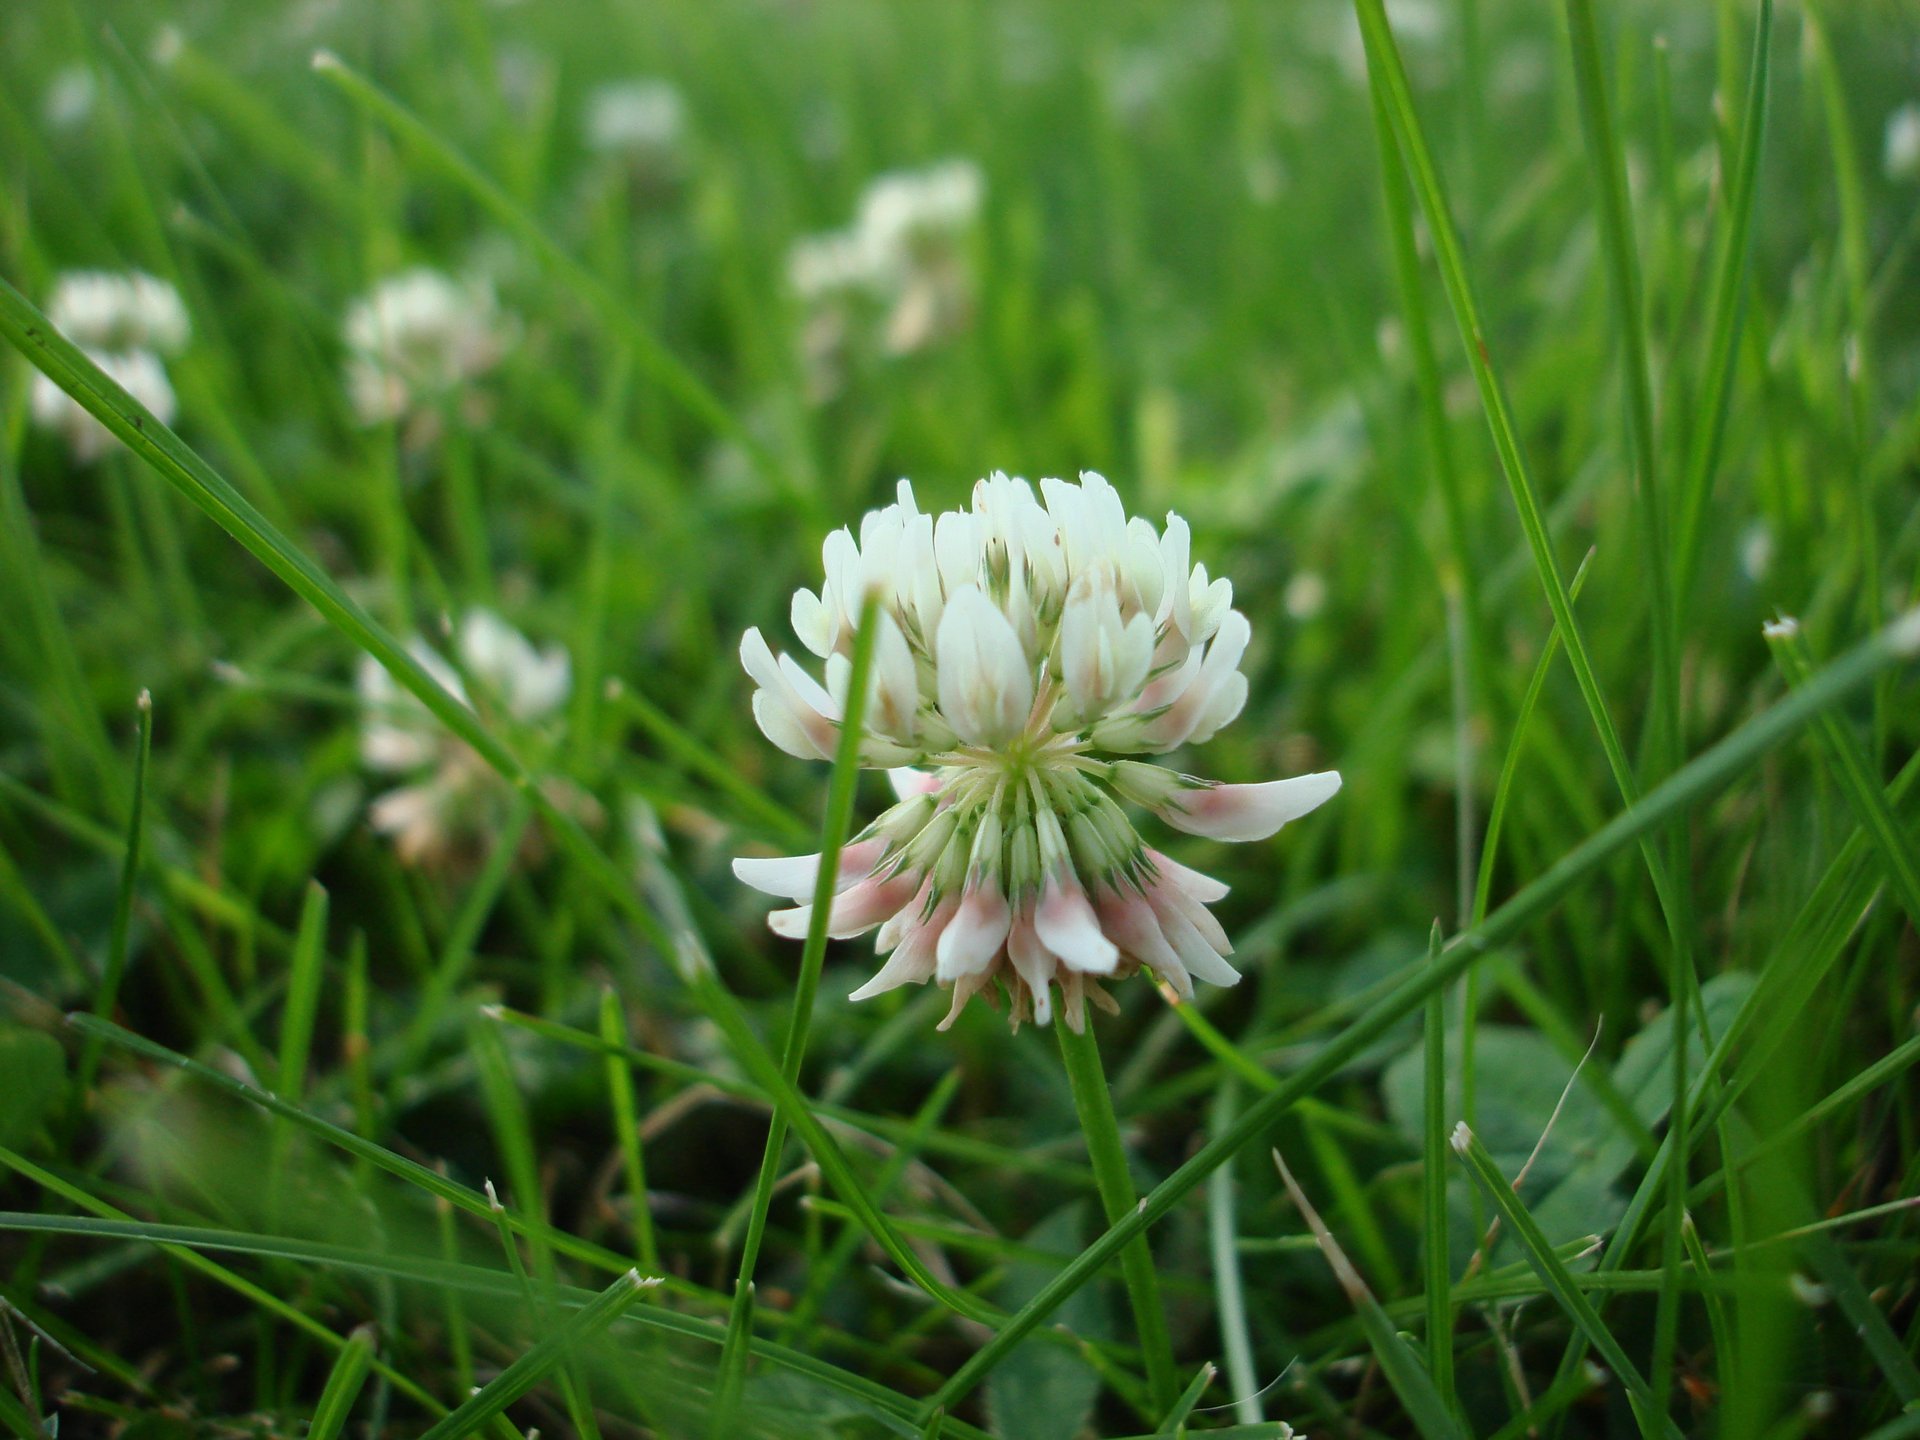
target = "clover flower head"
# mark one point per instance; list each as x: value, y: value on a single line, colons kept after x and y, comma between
x: 642, y: 120
x: 125, y: 323
x: 1027, y: 649
x: 416, y: 336
x: 451, y: 796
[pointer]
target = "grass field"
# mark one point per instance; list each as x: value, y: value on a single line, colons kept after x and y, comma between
x: 1546, y: 379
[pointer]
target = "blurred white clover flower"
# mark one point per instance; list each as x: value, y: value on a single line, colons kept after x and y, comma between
x: 125, y: 322
x: 416, y: 337
x: 1020, y: 644
x: 451, y: 795
x: 642, y: 121
x: 1901, y: 157
x: 905, y: 256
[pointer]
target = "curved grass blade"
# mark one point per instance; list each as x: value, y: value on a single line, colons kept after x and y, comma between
x: 109, y: 993
x: 349, y: 1373
x: 526, y: 1372
x: 1560, y: 1283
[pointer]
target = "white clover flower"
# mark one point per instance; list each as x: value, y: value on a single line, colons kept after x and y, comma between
x: 451, y: 795
x: 1024, y: 647
x: 70, y: 98
x: 105, y: 310
x: 125, y: 323
x: 1901, y: 158
x: 899, y: 273
x: 905, y: 212
x: 138, y: 372
x: 643, y: 120
x: 417, y: 336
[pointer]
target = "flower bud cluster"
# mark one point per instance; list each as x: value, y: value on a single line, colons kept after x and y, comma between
x: 1023, y: 646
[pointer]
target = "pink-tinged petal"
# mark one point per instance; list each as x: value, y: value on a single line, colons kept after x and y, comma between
x: 1033, y: 962
x: 908, y: 782
x: 855, y: 911
x: 1249, y: 812
x: 905, y: 920
x: 793, y: 876
x: 912, y: 962
x: 1165, y: 897
x: 1131, y: 921
x: 1067, y: 926
x: 1202, y: 960
x: 1212, y: 692
x: 979, y: 928
x: 1203, y: 888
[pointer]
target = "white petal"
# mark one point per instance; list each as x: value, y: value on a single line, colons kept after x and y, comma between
x: 812, y: 623
x: 1131, y: 921
x: 986, y: 682
x: 779, y: 724
x: 1249, y: 812
x: 1203, y: 888
x: 908, y: 782
x: 979, y: 929
x: 1066, y: 925
x: 1033, y: 962
x: 913, y: 962
x: 793, y: 876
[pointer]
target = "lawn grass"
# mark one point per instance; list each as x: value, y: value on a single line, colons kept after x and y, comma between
x: 1517, y: 363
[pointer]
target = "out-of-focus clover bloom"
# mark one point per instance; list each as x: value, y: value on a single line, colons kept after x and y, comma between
x: 451, y: 798
x: 642, y: 122
x: 126, y: 323
x: 1026, y: 648
x: 1901, y: 157
x: 901, y: 272
x: 417, y: 337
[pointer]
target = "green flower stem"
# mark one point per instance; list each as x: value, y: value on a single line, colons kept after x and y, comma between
x: 1091, y: 1097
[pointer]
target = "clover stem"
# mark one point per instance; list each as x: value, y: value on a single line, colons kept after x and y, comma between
x: 1091, y: 1097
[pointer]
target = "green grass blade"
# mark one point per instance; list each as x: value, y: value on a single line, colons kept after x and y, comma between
x: 108, y: 995
x: 304, y: 980
x: 526, y: 1372
x: 1410, y: 1381
x: 1229, y: 1287
x: 1608, y: 162
x: 1726, y: 309
x: 1093, y: 1102
x: 1852, y: 769
x: 1433, y: 1187
x: 626, y: 1123
x: 838, y: 825
x: 1175, y: 1425
x: 349, y: 1373
x: 1560, y: 1283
